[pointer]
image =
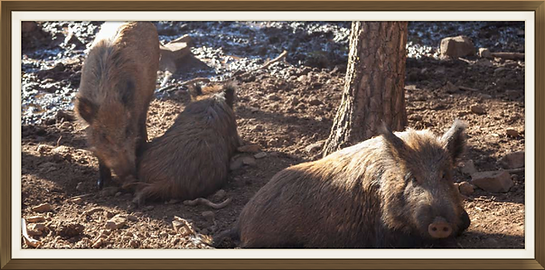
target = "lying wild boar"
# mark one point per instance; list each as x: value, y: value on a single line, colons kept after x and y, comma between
x: 192, y: 158
x: 394, y: 190
x: 117, y: 85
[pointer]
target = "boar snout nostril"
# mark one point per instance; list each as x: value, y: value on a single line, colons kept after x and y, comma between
x: 439, y: 228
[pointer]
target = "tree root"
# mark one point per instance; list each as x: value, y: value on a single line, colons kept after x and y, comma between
x: 207, y: 203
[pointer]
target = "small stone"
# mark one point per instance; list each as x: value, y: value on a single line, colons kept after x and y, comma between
x: 468, y: 167
x: 513, y: 160
x: 132, y: 218
x: 451, y: 88
x: 314, y: 102
x: 134, y: 243
x: 478, y: 109
x: 44, y: 207
x: 149, y: 207
x: 35, y: 219
x: 118, y: 194
x: 458, y: 46
x: 484, y: 53
x: 260, y: 155
x: 209, y: 215
x: 315, y: 147
x: 116, y: 222
x: 258, y: 128
x: 492, y: 181
x: 466, y: 188
x: 71, y: 230
x: 109, y: 191
x: 512, y: 133
x: 77, y: 200
x: 173, y: 201
x: 235, y: 164
x: 248, y: 160
x: 294, y: 101
x: 249, y: 148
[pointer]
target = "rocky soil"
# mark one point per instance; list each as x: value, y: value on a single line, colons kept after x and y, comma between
x: 286, y: 110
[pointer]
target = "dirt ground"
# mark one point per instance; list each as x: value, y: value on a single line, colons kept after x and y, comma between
x: 289, y: 116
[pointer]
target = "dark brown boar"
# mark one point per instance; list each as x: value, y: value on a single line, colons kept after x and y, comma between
x: 394, y: 190
x: 191, y: 159
x: 117, y: 85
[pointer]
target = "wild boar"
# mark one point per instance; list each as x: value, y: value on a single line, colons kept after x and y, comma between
x: 192, y: 158
x: 117, y: 85
x: 394, y: 190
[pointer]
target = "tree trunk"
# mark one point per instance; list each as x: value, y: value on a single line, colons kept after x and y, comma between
x: 374, y: 84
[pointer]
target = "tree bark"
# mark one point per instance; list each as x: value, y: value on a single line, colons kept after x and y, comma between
x: 374, y: 84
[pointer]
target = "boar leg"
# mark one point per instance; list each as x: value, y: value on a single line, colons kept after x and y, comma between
x: 105, y: 174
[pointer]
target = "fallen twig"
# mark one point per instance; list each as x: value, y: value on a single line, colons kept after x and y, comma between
x: 207, y: 203
x: 517, y: 170
x: 282, y: 55
x: 196, y: 80
x: 508, y: 55
x: 468, y: 89
x: 29, y: 241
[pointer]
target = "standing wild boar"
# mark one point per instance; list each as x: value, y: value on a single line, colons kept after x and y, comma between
x: 192, y: 158
x: 117, y: 85
x: 394, y: 190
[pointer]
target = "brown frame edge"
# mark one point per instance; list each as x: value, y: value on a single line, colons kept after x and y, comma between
x: 6, y: 262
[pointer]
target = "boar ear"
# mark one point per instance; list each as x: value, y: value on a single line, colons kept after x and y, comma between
x: 394, y: 143
x: 454, y: 139
x: 86, y: 109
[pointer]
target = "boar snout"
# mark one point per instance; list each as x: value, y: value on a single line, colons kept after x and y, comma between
x: 440, y: 228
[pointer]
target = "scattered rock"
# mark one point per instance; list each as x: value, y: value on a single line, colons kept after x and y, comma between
x: 209, y: 215
x: 294, y: 101
x: 484, y: 53
x: 478, y: 109
x: 455, y: 47
x: 71, y: 230
x: 468, y: 167
x: 109, y: 191
x: 235, y: 164
x: 116, y: 222
x: 248, y: 160
x: 149, y: 208
x: 492, y: 181
x: 513, y: 160
x: 132, y: 218
x: 249, y: 148
x: 315, y: 147
x: 466, y: 188
x: 314, y: 102
x: 512, y: 133
x: 173, y: 201
x: 35, y: 219
x: 260, y: 155
x: 44, y: 207
x: 451, y: 88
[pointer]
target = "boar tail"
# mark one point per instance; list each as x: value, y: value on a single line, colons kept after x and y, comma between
x: 233, y: 234
x: 229, y: 93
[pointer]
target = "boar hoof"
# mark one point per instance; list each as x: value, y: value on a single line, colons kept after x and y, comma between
x: 100, y: 184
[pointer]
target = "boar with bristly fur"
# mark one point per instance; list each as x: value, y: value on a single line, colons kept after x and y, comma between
x: 394, y: 190
x: 117, y: 85
x: 192, y: 158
